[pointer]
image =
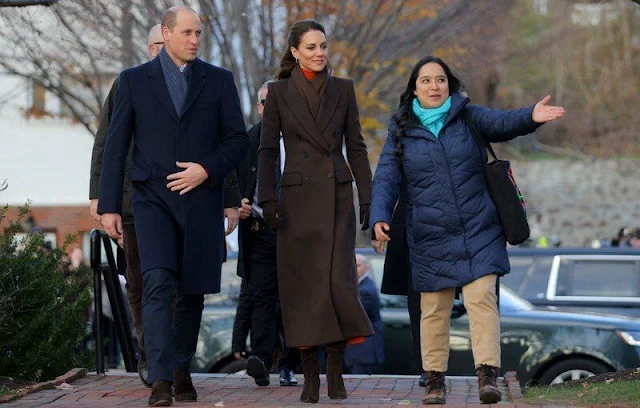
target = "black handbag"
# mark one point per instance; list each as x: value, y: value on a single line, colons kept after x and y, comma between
x: 504, y: 191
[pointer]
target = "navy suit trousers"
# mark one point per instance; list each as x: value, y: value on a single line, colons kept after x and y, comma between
x: 170, y: 338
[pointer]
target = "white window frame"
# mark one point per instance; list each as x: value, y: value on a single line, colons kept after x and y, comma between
x: 555, y: 269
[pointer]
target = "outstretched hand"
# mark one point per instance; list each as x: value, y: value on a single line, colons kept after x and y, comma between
x: 543, y: 113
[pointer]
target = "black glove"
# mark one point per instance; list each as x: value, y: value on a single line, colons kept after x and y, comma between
x: 271, y: 214
x: 364, y: 216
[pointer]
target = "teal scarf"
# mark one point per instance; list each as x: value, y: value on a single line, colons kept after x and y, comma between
x: 432, y: 118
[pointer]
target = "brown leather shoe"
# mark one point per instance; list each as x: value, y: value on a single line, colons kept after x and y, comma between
x: 488, y: 384
x: 335, y: 383
x: 311, y: 370
x: 184, y: 389
x: 435, y: 388
x: 160, y: 394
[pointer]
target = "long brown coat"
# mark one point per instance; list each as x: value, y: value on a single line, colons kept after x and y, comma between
x: 316, y: 262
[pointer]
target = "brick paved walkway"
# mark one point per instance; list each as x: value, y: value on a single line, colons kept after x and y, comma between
x: 123, y: 389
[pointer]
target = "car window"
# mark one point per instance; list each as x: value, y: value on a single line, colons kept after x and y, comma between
x: 510, y: 301
x: 229, y: 286
x: 534, y: 283
x: 599, y: 278
x: 520, y: 265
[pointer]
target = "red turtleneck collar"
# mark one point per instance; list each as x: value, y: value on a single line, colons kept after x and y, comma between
x: 308, y: 73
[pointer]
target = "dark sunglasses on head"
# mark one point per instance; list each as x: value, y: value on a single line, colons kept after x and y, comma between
x: 159, y: 43
x: 262, y: 101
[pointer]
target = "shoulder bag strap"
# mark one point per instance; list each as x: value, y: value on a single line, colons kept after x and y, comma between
x: 480, y: 141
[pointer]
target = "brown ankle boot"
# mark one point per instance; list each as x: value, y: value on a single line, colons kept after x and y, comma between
x: 335, y: 383
x: 488, y: 384
x: 184, y: 390
x: 435, y: 388
x: 160, y: 394
x: 311, y: 387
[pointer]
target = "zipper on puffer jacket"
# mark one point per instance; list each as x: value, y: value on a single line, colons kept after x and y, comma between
x: 455, y: 199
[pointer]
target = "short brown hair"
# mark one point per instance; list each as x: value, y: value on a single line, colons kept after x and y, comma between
x: 170, y: 16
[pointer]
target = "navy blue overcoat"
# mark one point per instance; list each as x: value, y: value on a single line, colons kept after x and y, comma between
x: 454, y: 234
x: 181, y: 233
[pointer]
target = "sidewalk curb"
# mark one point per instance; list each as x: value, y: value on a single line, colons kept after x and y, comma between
x: 513, y: 385
x: 71, y: 375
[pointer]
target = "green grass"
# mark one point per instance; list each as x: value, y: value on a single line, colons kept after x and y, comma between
x: 616, y: 392
x: 4, y: 390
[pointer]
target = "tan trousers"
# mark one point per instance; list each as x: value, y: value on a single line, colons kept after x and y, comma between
x: 480, y: 300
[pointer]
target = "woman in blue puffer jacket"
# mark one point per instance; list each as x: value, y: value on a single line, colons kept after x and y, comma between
x: 454, y: 236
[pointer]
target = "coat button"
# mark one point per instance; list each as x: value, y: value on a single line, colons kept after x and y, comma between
x: 305, y: 155
x: 307, y: 178
x: 329, y: 175
x: 298, y: 137
x: 253, y: 168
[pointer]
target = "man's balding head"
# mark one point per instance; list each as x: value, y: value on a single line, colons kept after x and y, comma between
x: 170, y: 17
x: 181, y: 30
x: 155, y: 40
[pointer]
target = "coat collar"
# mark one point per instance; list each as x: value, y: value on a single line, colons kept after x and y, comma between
x: 158, y: 85
x: 328, y: 105
x: 197, y: 81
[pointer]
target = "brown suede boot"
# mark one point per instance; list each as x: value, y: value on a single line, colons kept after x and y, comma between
x: 184, y: 389
x: 311, y: 370
x: 335, y: 383
x: 435, y: 388
x: 160, y: 394
x: 488, y: 384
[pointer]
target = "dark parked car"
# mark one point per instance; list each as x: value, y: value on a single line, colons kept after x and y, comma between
x: 541, y: 345
x: 579, y: 279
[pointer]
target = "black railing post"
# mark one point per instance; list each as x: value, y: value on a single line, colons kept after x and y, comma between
x: 118, y: 307
x: 97, y: 298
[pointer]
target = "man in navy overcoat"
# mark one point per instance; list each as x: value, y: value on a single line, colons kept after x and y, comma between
x: 188, y: 132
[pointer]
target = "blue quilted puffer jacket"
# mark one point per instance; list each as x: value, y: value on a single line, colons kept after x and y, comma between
x: 453, y: 231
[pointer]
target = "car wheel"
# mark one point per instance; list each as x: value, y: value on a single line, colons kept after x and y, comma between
x: 572, y: 369
x: 234, y: 367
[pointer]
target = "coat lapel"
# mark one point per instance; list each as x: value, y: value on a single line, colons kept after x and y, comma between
x: 328, y: 104
x: 299, y: 108
x: 254, y: 140
x: 159, y: 87
x: 196, y: 83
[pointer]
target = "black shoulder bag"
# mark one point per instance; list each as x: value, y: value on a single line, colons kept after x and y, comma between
x: 503, y: 190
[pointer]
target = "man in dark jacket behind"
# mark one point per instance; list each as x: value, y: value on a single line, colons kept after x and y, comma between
x: 365, y: 357
x: 258, y: 306
x: 397, y: 279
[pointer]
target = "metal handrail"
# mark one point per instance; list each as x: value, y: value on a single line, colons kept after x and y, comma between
x: 109, y: 272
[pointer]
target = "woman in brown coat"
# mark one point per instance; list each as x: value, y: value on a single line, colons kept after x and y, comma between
x: 312, y: 209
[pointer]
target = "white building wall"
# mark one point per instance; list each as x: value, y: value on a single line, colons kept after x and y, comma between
x: 46, y: 161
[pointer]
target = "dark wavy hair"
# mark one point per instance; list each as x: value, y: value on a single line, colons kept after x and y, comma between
x: 299, y: 28
x: 404, y: 118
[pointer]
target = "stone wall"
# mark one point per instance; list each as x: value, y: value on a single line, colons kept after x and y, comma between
x: 579, y: 201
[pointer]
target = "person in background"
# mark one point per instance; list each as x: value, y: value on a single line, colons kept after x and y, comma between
x: 76, y: 258
x: 397, y: 279
x: 257, y: 265
x: 365, y: 357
